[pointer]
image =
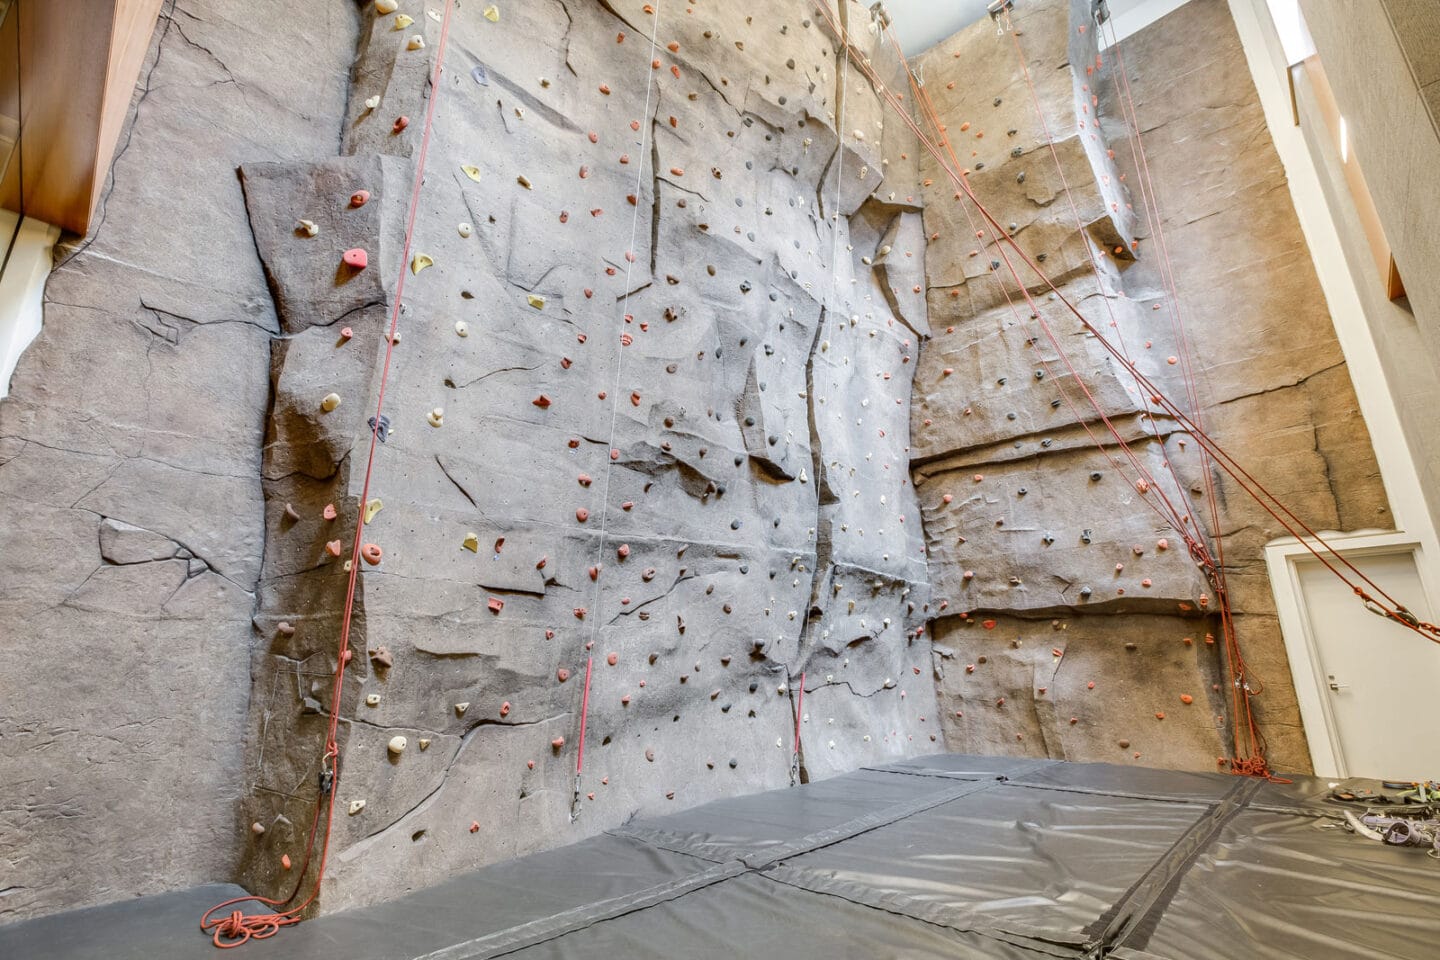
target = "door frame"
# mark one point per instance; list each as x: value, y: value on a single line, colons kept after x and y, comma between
x: 1321, y: 731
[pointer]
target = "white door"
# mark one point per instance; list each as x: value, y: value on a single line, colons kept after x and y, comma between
x: 1379, y: 681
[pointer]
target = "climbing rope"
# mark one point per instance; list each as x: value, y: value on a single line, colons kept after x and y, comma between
x: 236, y: 928
x: 612, y: 454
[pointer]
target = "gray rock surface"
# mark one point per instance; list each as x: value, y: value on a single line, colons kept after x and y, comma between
x: 1051, y: 558
x: 130, y: 451
x: 651, y: 404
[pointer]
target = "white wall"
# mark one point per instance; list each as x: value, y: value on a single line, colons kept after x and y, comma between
x: 21, y: 289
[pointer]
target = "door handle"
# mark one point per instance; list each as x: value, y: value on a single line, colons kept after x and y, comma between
x: 1337, y: 686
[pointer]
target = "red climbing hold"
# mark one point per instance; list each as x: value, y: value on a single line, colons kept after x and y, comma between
x: 541, y: 401
x: 474, y: 826
x: 988, y: 624
x: 401, y: 122
x: 359, y: 197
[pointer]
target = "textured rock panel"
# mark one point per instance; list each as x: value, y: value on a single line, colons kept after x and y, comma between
x: 996, y: 412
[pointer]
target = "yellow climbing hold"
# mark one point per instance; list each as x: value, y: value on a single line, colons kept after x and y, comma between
x: 372, y: 507
x: 383, y: 7
x: 331, y: 401
x: 536, y: 301
x: 492, y: 13
x: 309, y: 228
x: 524, y: 181
x: 420, y: 261
x: 472, y: 172
x: 402, y: 21
x: 472, y: 542
x: 417, y: 42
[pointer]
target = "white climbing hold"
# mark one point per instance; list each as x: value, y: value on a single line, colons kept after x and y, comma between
x: 436, y: 417
x: 372, y: 102
x: 310, y: 227
x: 402, y: 21
x: 462, y: 328
x: 397, y: 745
x: 460, y: 708
x: 356, y: 806
x: 417, y: 42
x: 331, y: 401
x: 471, y: 171
x: 384, y: 7
x: 372, y: 700
x: 420, y: 261
x: 464, y: 229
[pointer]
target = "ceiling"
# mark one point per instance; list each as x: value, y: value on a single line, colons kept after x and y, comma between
x: 920, y: 24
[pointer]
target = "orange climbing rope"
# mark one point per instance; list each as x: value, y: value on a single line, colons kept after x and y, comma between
x: 236, y: 928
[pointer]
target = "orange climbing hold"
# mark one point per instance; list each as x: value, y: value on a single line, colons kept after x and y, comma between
x: 371, y: 553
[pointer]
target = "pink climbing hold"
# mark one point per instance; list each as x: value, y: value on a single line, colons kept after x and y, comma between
x: 505, y: 709
x: 474, y: 826
x: 496, y: 604
x: 594, y: 137
x: 585, y: 479
x: 346, y: 333
x: 333, y: 548
x: 370, y: 553
x: 558, y: 742
x: 356, y: 258
x: 623, y: 551
x: 401, y: 122
x: 359, y: 198
x: 582, y: 514
x: 562, y: 674
x: 329, y: 512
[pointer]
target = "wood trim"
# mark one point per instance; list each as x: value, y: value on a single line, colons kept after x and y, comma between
x: 78, y: 64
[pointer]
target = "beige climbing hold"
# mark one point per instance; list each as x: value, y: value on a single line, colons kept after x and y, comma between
x: 310, y: 228
x: 464, y: 229
x: 462, y: 328
x: 356, y: 806
x: 417, y: 42
x: 460, y: 708
x: 424, y: 743
x: 471, y: 542
x: 436, y: 417
x: 397, y: 745
x: 257, y: 828
x: 331, y: 401
x: 492, y: 13
x: 420, y: 261
x: 372, y: 102
x: 373, y: 506
x: 384, y: 7
x: 372, y: 700
x: 402, y: 21
x: 471, y: 171
x: 536, y: 301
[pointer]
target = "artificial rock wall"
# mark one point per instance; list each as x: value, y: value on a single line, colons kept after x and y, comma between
x: 1075, y: 622
x: 651, y: 394
x: 166, y: 577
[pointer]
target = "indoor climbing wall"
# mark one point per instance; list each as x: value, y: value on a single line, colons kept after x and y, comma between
x: 644, y: 457
x: 1077, y: 624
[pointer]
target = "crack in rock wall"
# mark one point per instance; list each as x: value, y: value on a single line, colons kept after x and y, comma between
x: 1073, y: 621
x: 686, y: 444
